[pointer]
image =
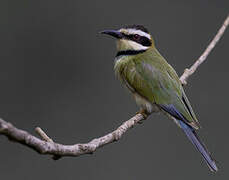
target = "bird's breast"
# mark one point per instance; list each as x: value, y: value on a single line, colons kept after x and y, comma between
x: 120, y: 66
x: 125, y: 70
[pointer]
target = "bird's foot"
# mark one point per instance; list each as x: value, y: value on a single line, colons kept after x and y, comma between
x: 144, y: 114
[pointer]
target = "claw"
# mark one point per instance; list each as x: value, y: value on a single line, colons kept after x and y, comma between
x: 144, y: 114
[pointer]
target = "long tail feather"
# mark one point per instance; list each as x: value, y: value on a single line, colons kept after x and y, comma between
x: 192, y: 136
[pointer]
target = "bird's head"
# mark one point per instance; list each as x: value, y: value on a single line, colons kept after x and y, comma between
x: 132, y: 38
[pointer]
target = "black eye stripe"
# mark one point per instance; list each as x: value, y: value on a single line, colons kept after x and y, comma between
x: 141, y: 39
x: 144, y: 41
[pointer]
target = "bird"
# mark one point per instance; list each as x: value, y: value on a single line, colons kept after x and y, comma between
x: 154, y: 83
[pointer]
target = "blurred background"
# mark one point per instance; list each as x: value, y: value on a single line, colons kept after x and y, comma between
x: 56, y: 72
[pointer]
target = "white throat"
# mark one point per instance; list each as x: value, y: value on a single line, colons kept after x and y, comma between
x: 125, y: 44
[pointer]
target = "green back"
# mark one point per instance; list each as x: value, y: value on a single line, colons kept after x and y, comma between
x: 152, y: 77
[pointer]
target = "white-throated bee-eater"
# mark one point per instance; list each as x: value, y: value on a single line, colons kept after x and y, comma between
x: 154, y: 83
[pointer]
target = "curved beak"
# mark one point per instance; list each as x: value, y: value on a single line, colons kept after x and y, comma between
x: 113, y: 33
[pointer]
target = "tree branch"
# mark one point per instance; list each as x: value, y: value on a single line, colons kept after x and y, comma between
x: 45, y: 145
x: 202, y: 58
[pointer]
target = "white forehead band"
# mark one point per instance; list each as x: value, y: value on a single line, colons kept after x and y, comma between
x: 139, y: 32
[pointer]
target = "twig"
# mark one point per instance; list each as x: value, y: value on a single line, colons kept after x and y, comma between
x: 202, y: 58
x: 43, y: 135
x: 46, y: 144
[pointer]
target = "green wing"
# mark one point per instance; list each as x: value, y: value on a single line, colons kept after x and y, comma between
x: 153, y: 78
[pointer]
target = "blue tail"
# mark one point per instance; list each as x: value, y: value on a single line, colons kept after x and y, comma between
x: 192, y: 136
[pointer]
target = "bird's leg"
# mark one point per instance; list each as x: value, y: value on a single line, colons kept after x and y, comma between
x: 144, y: 113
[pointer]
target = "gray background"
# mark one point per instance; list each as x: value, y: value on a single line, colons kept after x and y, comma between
x: 56, y: 72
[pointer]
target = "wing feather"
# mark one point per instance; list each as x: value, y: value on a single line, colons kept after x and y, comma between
x: 153, y: 78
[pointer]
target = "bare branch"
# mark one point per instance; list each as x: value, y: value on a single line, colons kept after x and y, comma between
x: 48, y: 147
x: 202, y: 58
x: 45, y: 145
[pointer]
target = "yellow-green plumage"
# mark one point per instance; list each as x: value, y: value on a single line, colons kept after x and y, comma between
x: 152, y: 78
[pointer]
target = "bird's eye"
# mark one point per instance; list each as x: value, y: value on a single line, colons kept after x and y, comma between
x: 136, y: 37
